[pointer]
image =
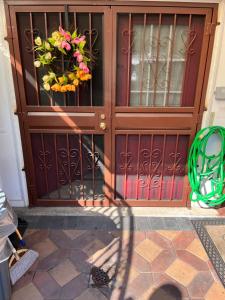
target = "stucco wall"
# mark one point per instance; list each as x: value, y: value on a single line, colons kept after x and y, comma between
x: 12, y: 178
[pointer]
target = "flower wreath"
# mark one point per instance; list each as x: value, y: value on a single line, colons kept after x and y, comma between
x: 72, y: 46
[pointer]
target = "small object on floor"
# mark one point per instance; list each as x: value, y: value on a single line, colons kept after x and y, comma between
x: 19, y: 265
x: 99, y: 277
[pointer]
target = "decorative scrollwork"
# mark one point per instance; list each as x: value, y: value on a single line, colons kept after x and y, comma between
x: 28, y: 33
x: 93, y: 157
x: 175, y: 162
x: 129, y: 34
x: 126, y: 159
x: 44, y: 158
x: 93, y: 34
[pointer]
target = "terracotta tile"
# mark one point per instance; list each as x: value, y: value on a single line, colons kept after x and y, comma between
x: 197, y: 249
x: 91, y: 294
x: 169, y: 234
x: 73, y: 234
x: 94, y: 246
x: 60, y: 239
x: 216, y: 292
x: 181, y: 272
x: 75, y: 287
x: 133, y: 238
x: 53, y: 259
x: 162, y: 279
x: 139, y: 286
x: 158, y: 239
x: 46, y: 285
x: 200, y: 284
x: 64, y: 272
x: 80, y: 260
x: 128, y: 274
x: 140, y: 263
x: 192, y: 260
x: 213, y: 271
x: 27, y: 293
x: 148, y: 250
x: 36, y: 237
x: 183, y: 240
x: 45, y: 248
x: 163, y: 260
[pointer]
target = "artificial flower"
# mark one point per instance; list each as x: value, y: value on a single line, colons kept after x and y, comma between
x: 76, y: 82
x: 48, y: 55
x: 47, y: 46
x: 46, y: 86
x: 65, y: 45
x: 46, y: 78
x: 38, y: 41
x: 37, y: 63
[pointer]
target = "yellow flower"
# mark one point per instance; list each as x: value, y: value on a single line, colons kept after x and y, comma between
x: 37, y: 63
x: 76, y: 82
x: 47, y: 46
x: 88, y: 76
x: 63, y: 88
x: 61, y: 79
x: 52, y: 75
x: 48, y: 56
x: 56, y: 35
x: 56, y: 87
x: 71, y: 76
x: 45, y: 78
x: 38, y: 41
x: 73, y: 88
x: 46, y: 86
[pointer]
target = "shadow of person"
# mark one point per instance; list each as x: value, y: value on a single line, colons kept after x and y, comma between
x: 166, y: 292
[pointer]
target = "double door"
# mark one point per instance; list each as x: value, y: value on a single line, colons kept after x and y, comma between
x: 123, y: 137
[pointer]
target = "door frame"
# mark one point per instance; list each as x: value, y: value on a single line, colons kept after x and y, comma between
x: 109, y: 97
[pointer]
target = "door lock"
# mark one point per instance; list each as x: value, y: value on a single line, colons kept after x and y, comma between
x: 102, y: 125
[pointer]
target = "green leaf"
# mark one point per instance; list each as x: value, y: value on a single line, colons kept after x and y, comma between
x: 62, y: 50
x: 74, y: 34
x: 51, y: 41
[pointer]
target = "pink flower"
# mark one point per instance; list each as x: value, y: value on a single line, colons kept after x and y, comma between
x: 80, y: 58
x: 84, y: 67
x: 64, y: 33
x: 75, y: 54
x: 77, y: 40
x: 86, y: 70
x: 66, y: 45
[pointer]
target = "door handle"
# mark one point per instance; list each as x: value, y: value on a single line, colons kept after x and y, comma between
x: 102, y: 125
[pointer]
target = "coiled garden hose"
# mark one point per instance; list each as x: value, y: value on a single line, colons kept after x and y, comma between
x: 206, y: 171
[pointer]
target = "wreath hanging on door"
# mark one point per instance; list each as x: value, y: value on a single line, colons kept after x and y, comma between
x: 67, y: 49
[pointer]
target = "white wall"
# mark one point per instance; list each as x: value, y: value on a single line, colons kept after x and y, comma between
x: 12, y: 179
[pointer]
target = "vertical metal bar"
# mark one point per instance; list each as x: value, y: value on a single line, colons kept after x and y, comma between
x: 142, y: 60
x: 186, y: 57
x: 174, y: 168
x: 138, y: 165
x: 57, y: 168
x: 149, y: 69
x: 81, y: 165
x: 93, y: 164
x: 69, y: 164
x: 125, y: 175
x: 77, y: 89
x: 128, y: 61
x: 149, y: 179
x: 171, y: 60
x: 167, y: 66
x: 157, y: 57
x: 46, y: 36
x: 44, y: 161
x: 62, y: 59
x: 35, y: 69
x: 163, y: 160
x: 90, y: 40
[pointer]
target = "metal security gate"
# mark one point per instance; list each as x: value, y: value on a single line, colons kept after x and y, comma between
x: 123, y: 138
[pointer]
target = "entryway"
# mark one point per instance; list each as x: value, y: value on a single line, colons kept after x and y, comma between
x: 122, y: 138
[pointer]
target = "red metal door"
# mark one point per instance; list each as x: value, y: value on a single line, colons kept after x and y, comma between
x: 148, y: 89
x: 66, y: 148
x: 159, y: 67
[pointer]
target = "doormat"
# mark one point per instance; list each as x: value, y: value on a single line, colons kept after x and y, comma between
x: 211, y: 232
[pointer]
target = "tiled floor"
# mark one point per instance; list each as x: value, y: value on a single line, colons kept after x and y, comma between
x: 146, y: 265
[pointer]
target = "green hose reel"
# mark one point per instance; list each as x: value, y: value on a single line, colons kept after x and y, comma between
x: 206, y: 170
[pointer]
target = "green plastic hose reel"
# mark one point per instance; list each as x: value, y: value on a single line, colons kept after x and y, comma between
x: 206, y: 166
